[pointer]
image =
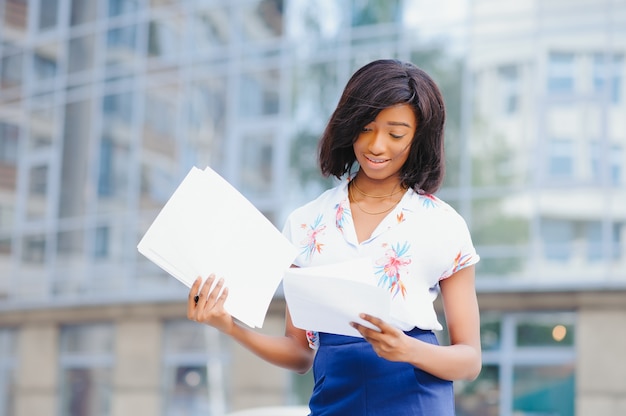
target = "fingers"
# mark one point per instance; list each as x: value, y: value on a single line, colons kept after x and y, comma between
x: 192, y: 298
x: 205, y: 296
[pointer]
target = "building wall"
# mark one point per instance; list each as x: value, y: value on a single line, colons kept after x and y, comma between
x: 137, y: 389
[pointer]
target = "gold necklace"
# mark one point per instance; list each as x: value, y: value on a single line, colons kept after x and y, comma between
x: 393, y: 191
x: 351, y: 196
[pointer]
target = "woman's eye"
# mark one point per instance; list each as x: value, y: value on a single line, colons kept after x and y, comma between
x: 366, y: 129
x: 396, y: 136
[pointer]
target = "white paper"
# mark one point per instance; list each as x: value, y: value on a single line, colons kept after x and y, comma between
x: 206, y: 227
x: 327, y: 298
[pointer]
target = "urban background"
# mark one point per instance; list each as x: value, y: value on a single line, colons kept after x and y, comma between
x: 106, y: 104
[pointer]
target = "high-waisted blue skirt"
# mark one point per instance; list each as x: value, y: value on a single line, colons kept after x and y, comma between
x: 351, y: 380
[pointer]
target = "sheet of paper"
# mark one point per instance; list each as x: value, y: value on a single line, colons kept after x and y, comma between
x: 206, y: 227
x: 327, y: 298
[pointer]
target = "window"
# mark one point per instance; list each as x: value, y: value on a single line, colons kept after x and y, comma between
x: 48, y: 13
x: 86, y: 359
x: 259, y: 94
x: 102, y: 238
x: 374, y: 12
x: 8, y: 360
x: 607, y: 79
x: 557, y: 237
x: 194, y: 357
x: 257, y: 156
x: 9, y: 136
x: 119, y: 7
x: 11, y: 71
x: 509, y: 85
x: 560, y: 159
x: 560, y: 73
x: 528, y: 367
x: 600, y: 162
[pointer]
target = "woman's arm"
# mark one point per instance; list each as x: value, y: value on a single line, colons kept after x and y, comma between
x: 461, y: 360
x: 290, y: 351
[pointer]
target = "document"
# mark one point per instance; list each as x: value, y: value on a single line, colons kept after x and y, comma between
x: 327, y: 298
x: 206, y: 227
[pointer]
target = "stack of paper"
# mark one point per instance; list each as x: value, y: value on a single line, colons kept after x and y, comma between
x: 327, y: 298
x: 207, y: 227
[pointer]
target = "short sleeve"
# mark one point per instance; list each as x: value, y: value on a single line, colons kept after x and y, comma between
x: 464, y: 253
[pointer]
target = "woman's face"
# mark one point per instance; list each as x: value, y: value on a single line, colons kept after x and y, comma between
x: 383, y: 145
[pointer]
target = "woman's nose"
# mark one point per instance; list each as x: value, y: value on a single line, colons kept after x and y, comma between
x: 376, y: 144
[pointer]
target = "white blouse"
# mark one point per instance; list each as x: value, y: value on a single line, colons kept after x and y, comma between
x: 421, y: 241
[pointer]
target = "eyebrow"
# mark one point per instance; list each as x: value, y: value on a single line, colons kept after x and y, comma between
x: 398, y: 123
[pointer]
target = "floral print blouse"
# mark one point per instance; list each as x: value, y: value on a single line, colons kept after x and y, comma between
x: 420, y: 242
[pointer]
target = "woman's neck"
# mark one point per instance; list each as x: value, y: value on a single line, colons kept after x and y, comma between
x: 368, y: 188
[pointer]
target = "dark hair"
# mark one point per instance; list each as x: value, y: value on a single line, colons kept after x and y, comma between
x: 374, y: 87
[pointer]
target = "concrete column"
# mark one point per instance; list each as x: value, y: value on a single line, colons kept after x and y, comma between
x: 601, y: 369
x: 137, y: 377
x: 38, y: 370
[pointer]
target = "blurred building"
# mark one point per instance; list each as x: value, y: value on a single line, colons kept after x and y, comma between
x: 105, y: 106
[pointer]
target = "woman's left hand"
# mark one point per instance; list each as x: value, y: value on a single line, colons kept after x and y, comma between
x: 388, y: 342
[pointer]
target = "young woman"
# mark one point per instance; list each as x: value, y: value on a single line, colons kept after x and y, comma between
x: 386, y: 138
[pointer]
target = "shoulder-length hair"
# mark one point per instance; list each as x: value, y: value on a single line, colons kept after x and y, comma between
x: 374, y: 87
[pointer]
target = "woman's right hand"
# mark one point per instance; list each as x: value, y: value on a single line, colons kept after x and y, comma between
x: 207, y: 306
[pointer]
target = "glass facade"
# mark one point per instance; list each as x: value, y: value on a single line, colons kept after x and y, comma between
x: 106, y: 105
x: 196, y: 370
x: 86, y: 369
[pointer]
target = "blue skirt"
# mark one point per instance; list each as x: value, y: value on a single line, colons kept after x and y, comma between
x: 350, y: 379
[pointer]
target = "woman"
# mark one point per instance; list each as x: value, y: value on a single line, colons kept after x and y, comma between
x: 386, y: 137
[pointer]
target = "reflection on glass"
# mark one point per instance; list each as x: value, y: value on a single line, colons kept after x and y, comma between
x: 83, y: 11
x: 42, y: 127
x: 499, y: 221
x: 37, y: 192
x: 70, y: 246
x: 375, y: 12
x: 561, y: 73
x: 157, y: 184
x: 11, y: 71
x: 544, y: 390
x: 259, y: 94
x: 102, y: 241
x: 256, y: 163
x: 81, y: 54
x: 498, y: 265
x: 188, y: 390
x: 558, y: 239
x: 206, y: 121
x: 165, y: 37
x: 490, y: 332
x: 15, y: 16
x: 546, y: 330
x: 114, y: 155
x: 86, y: 355
x: 120, y: 7
x: 480, y: 397
x: 210, y: 27
x: 48, y: 14
x: 34, y: 249
x: 607, y: 75
x: 9, y: 141
x: 262, y: 20
x: 159, y: 128
x: 121, y: 47
x: 193, y: 364
x: 46, y: 61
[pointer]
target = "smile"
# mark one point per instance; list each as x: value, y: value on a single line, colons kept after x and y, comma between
x: 376, y: 160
